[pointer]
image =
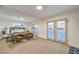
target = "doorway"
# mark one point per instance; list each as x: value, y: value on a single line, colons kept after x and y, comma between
x: 35, y: 29
x: 57, y: 30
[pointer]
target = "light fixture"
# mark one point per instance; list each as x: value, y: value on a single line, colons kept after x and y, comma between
x: 39, y: 7
x: 21, y: 19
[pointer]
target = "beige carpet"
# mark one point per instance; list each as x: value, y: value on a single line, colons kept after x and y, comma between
x: 35, y: 46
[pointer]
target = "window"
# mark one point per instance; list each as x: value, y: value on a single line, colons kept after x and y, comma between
x: 16, y: 24
x: 57, y: 30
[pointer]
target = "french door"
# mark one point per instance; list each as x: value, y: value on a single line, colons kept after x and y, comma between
x: 51, y: 31
x: 57, y: 30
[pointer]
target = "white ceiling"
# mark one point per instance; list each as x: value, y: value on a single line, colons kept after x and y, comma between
x: 30, y: 11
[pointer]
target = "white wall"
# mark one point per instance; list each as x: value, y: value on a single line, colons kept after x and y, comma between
x: 73, y: 26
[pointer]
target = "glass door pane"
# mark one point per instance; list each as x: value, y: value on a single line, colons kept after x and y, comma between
x: 51, y: 30
x: 60, y: 30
